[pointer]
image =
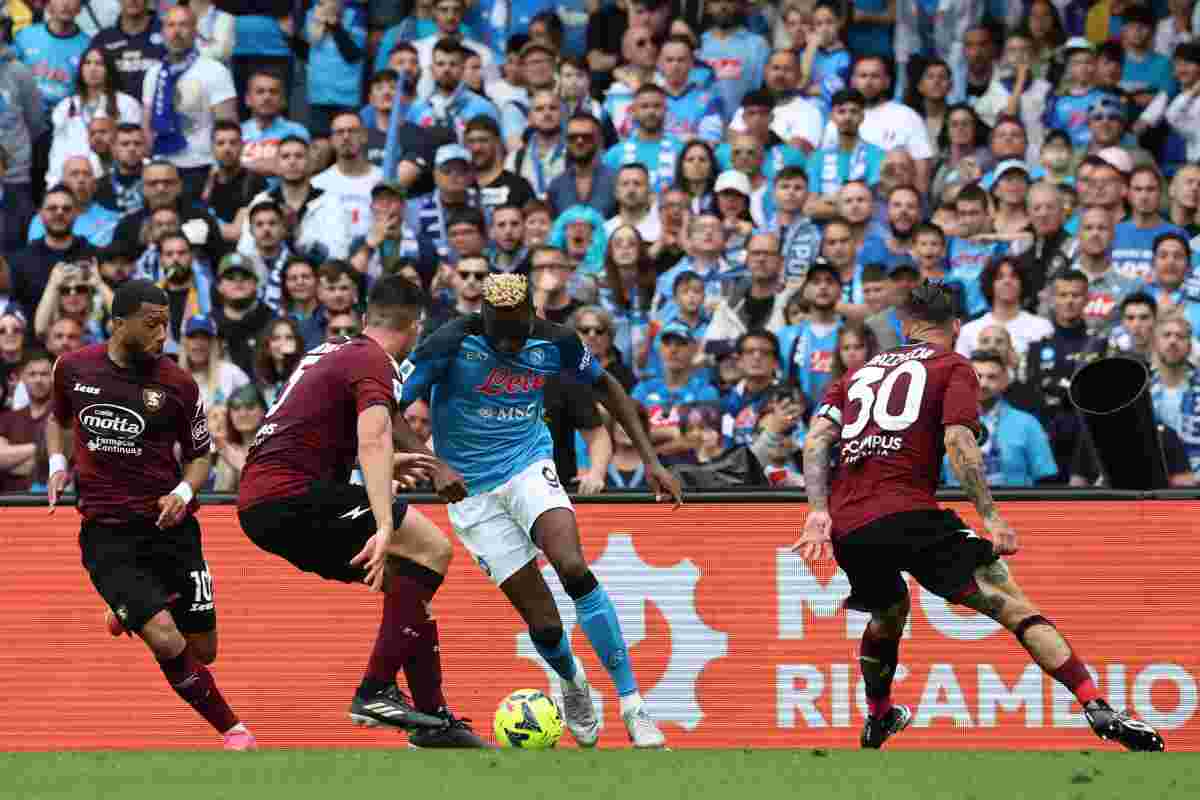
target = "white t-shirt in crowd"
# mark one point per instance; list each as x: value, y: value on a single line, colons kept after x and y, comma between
x: 797, y: 118
x: 650, y: 228
x: 1025, y: 330
x: 892, y: 126
x: 207, y: 83
x: 355, y: 194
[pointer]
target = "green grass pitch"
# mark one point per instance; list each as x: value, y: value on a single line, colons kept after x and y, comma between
x: 684, y: 774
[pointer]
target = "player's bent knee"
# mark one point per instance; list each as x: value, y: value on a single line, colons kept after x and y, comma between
x: 162, y: 636
x: 203, y: 646
x: 548, y: 636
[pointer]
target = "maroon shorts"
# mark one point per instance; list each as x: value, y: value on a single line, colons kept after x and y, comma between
x: 934, y: 546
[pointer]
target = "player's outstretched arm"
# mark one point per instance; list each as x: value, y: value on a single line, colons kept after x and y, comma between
x: 447, y: 481
x: 55, y: 447
x: 966, y: 461
x: 618, y: 403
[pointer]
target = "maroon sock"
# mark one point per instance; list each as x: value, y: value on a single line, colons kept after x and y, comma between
x: 424, y: 670
x: 1074, y: 675
x: 877, y: 659
x: 405, y: 609
x: 192, y: 681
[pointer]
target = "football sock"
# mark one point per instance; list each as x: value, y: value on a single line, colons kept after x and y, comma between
x: 553, y: 645
x: 598, y: 618
x: 877, y: 657
x: 405, y: 616
x: 1074, y: 675
x: 192, y: 681
x: 423, y: 670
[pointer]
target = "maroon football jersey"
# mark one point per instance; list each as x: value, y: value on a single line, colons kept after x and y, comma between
x: 127, y: 423
x: 893, y: 412
x: 310, y: 433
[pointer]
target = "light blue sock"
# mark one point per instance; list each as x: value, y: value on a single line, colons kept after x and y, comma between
x: 598, y: 618
x: 560, y: 658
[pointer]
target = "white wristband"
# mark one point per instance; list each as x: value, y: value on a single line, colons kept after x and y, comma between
x: 184, y: 492
x: 58, y: 463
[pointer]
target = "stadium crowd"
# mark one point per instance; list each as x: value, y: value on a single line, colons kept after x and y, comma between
x: 724, y: 199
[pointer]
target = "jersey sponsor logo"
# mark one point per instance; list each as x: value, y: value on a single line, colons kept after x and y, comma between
x: 109, y: 420
x: 355, y: 512
x: 1099, y: 306
x: 85, y: 389
x: 505, y: 381
x: 821, y: 361
x: 727, y: 69
x: 537, y: 356
x: 874, y: 445
x: 406, y: 369
x: 200, y: 430
x: 152, y: 399
x: 508, y: 414
x: 551, y: 477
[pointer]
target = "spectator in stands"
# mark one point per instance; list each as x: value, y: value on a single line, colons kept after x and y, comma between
x: 238, y: 313
x: 801, y: 238
x: 1176, y: 384
x: 856, y: 345
x: 446, y: 101
x: 183, y: 97
x: 120, y: 189
x: 25, y: 124
x: 901, y: 280
x: 162, y: 187
x: 1052, y: 248
x: 542, y: 156
x: 377, y: 113
x: 970, y: 252
x: 52, y: 49
x: 75, y: 290
x: 271, y: 251
x: 680, y: 383
x: 755, y: 302
x: 851, y: 158
x: 1134, y: 337
x: 230, y: 187
x: 1004, y: 287
x: 1017, y: 450
x: 448, y: 16
x: 189, y: 289
x: 586, y: 179
x: 65, y: 336
x: 807, y: 349
x: 336, y: 51
x: 737, y: 56
x: 244, y: 413
x: 648, y: 144
x: 12, y: 353
x: 276, y: 354
x: 96, y: 95
x: 116, y: 264
x: 551, y: 272
x: 596, y: 327
x: 343, y: 323
x: 300, y: 301
x: 134, y: 43
x: 352, y: 177
x: 337, y: 288
x: 267, y: 126
x: 1106, y: 286
x: 498, y: 186
x: 466, y: 284
x: 29, y: 268
x: 635, y: 204
x: 93, y: 222
x: 216, y: 31
x: 758, y: 361
x: 508, y: 252
x: 203, y: 355
x: 1172, y: 265
x: 1184, y: 199
x: 537, y: 68
x: 23, y: 464
x: 1133, y: 240
x: 430, y: 214
x: 778, y: 441
x: 625, y: 468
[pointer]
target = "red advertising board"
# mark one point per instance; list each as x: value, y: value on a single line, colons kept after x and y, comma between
x: 735, y: 641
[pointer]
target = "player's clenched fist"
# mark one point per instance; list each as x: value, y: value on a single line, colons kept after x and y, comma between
x: 173, y: 510
x: 449, y: 484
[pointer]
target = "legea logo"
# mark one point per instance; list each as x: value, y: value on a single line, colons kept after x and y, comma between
x: 632, y: 584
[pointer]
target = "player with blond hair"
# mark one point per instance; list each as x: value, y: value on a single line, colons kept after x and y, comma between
x: 483, y: 375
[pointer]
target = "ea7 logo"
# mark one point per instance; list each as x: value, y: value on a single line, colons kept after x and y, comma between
x: 85, y: 389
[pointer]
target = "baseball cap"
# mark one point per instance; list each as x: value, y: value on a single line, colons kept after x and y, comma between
x: 200, y: 324
x: 1077, y: 43
x: 678, y: 330
x: 903, y: 266
x: 824, y: 265
x: 122, y: 249
x: 1139, y: 14
x: 1106, y: 105
x: 451, y: 152
x: 1010, y: 164
x: 235, y: 262
x: 390, y: 186
x: 1117, y: 158
x: 734, y: 181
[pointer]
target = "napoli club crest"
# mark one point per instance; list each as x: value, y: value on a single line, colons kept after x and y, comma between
x: 152, y: 399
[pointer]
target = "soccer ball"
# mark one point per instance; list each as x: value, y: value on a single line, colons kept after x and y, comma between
x: 528, y: 719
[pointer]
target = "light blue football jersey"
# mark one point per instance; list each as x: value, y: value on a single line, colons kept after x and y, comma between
x: 486, y: 406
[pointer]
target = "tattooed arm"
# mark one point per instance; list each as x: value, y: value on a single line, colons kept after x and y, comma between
x: 966, y: 460
x: 817, y: 445
x: 816, y: 542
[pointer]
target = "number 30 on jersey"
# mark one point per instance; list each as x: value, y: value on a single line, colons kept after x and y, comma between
x: 876, y: 403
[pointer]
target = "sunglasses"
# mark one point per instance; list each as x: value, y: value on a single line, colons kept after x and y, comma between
x: 472, y: 275
x: 348, y: 330
x: 592, y: 331
x: 579, y: 137
x: 1104, y: 117
x: 79, y: 289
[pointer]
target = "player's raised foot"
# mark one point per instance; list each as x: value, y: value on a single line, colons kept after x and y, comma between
x: 578, y: 711
x: 240, y: 738
x: 115, y: 628
x: 454, y: 732
x: 390, y: 707
x: 1121, y: 727
x: 644, y: 734
x: 877, y: 730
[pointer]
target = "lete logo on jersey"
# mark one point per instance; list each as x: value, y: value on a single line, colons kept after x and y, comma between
x: 504, y: 381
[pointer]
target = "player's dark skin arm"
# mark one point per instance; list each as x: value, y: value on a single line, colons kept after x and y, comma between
x: 174, y: 509
x: 621, y: 406
x: 449, y: 485
x: 55, y: 445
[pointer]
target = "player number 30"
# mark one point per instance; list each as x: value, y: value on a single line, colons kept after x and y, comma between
x: 875, y: 404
